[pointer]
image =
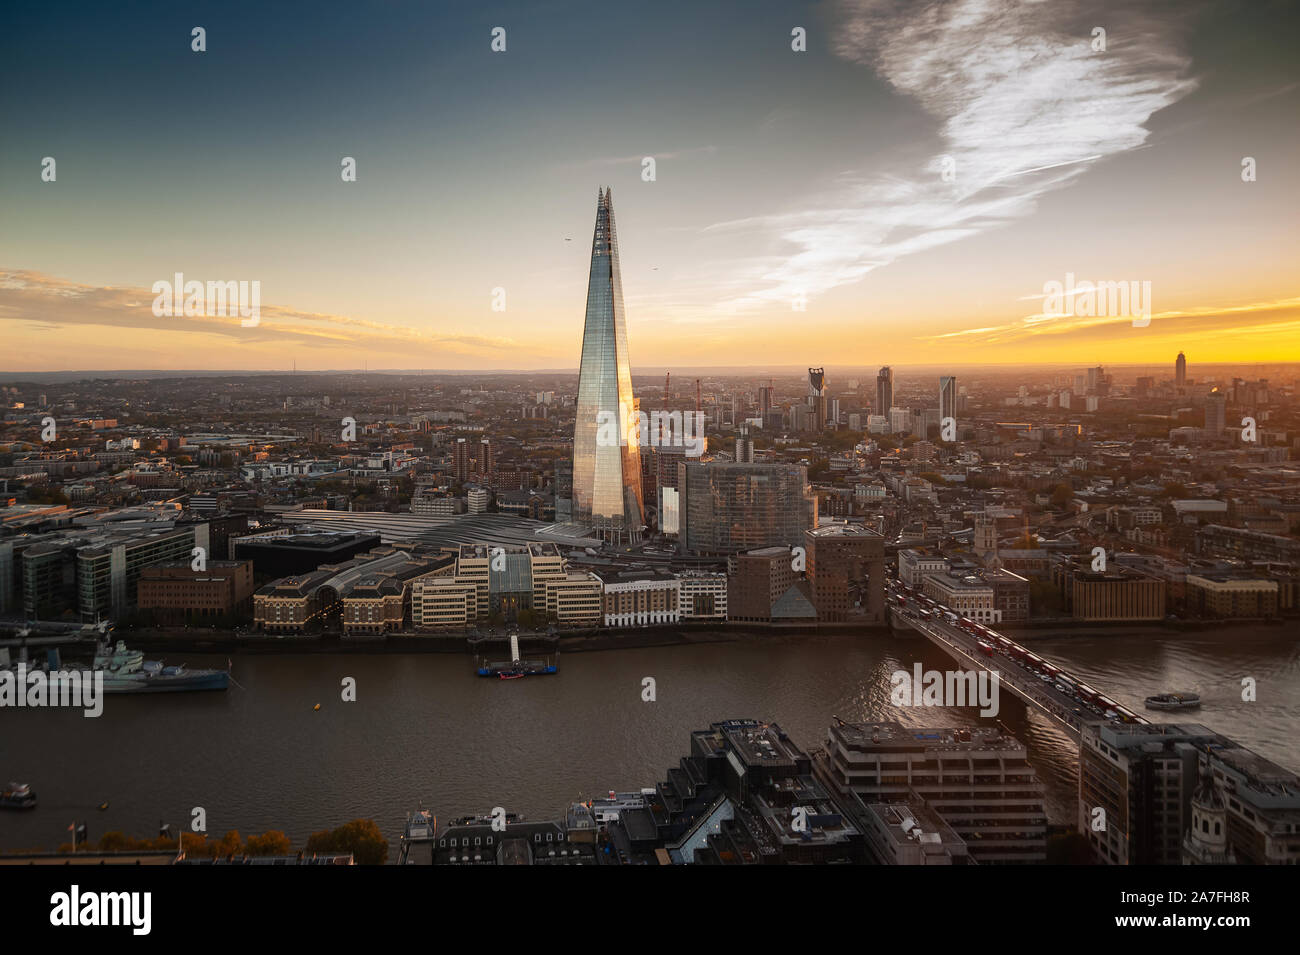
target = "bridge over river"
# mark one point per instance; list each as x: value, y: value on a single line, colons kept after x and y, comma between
x: 1069, y: 701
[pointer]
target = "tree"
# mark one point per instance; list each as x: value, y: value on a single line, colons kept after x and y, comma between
x: 116, y: 841
x: 1062, y: 494
x: 270, y: 843
x: 230, y: 844
x: 361, y: 837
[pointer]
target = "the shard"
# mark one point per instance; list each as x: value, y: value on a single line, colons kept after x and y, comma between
x: 606, y: 455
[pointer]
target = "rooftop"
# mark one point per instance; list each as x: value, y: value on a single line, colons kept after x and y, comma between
x: 893, y: 735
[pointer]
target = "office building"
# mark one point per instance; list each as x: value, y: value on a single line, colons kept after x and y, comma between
x: 1010, y: 594
x: 174, y: 593
x: 545, y: 564
x: 763, y: 586
x: 884, y: 391
x: 909, y: 833
x: 915, y: 565
x: 727, y: 507
x: 977, y: 780
x: 744, y: 446
x: 947, y: 399
x: 1216, y: 407
x: 1119, y: 593
x: 734, y: 801
x: 817, y: 399
x: 1227, y: 596
x: 564, y: 490
x: 968, y: 596
x: 640, y: 598
x: 702, y: 595
x: 1262, y: 801
x: 286, y: 554
x: 576, y: 599
x: 444, y: 603
x: 846, y: 572
x: 606, y: 461
x: 1135, y: 790
x: 108, y: 573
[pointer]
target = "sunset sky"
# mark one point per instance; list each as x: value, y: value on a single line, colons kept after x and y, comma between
x: 779, y: 174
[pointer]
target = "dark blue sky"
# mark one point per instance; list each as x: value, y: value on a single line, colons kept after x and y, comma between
x: 779, y: 174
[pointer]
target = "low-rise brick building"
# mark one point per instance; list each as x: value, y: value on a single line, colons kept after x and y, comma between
x: 174, y: 592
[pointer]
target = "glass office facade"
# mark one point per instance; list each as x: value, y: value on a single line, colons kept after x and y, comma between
x: 606, y: 458
x: 727, y: 508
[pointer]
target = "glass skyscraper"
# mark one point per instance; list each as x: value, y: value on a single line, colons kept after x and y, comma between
x: 606, y: 455
x: 947, y: 398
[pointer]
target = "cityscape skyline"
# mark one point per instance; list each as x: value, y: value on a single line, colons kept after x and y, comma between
x: 914, y: 481
x: 740, y: 227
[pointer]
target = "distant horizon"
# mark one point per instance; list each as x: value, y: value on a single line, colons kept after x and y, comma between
x: 832, y: 371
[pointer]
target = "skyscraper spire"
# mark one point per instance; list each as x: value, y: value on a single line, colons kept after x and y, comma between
x: 606, y: 439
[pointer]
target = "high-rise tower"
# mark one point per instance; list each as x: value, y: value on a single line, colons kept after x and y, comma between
x: 1216, y: 417
x: 947, y: 398
x: 817, y: 397
x: 884, y: 390
x: 606, y: 439
x: 1180, y: 370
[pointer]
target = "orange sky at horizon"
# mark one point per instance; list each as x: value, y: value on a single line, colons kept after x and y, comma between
x: 1249, y: 332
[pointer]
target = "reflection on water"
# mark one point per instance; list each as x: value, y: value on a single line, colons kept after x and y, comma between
x: 425, y: 730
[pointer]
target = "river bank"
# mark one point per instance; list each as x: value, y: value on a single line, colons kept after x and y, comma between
x: 162, y: 640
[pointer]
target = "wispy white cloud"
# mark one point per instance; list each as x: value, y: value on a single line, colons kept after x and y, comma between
x: 1024, y: 105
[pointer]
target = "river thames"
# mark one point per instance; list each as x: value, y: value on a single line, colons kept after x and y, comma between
x: 424, y: 730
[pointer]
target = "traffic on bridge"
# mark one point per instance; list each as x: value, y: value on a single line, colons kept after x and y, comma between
x: 1039, y: 683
